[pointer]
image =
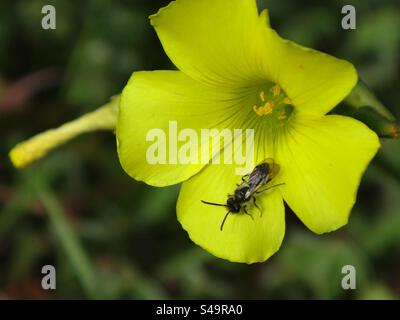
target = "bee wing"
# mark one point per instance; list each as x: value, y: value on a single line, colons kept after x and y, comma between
x: 258, y: 178
x: 274, y: 170
x: 251, y: 191
x: 255, y: 182
x: 270, y: 161
x: 274, y: 167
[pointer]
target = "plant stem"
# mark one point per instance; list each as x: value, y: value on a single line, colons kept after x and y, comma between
x: 104, y: 118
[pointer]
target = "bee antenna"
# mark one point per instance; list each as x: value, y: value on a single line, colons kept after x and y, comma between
x: 223, y: 221
x: 214, y: 204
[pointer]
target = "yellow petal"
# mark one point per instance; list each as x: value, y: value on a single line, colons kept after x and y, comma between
x: 155, y: 100
x: 232, y: 46
x: 242, y: 239
x: 322, y: 161
x: 214, y: 41
x: 314, y: 81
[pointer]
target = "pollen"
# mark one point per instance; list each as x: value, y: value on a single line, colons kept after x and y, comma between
x: 282, y: 115
x: 257, y: 110
x: 262, y: 96
x: 276, y: 90
x: 266, y: 109
x: 273, y: 102
x: 286, y: 100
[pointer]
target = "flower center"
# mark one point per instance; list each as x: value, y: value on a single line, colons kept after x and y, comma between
x: 274, y: 103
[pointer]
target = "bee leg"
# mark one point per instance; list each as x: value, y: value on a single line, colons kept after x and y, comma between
x: 243, y: 180
x: 256, y: 205
x: 245, y: 211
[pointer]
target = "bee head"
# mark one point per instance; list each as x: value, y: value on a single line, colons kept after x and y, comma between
x: 233, y: 205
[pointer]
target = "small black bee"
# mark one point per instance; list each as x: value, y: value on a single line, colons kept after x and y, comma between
x: 250, y: 186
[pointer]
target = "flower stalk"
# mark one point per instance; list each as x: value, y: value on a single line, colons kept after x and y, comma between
x: 364, y: 106
x: 104, y: 118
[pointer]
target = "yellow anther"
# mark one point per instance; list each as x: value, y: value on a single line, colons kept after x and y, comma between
x: 276, y: 90
x: 282, y: 115
x: 258, y: 111
x: 262, y: 96
x: 268, y: 108
x: 287, y: 101
x: 273, y: 104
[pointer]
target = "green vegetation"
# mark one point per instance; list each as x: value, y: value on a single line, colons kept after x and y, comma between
x: 111, y: 237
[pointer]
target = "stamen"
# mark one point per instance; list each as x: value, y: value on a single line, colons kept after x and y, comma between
x: 276, y: 90
x: 274, y: 104
x: 262, y: 96
x: 282, y: 115
x: 258, y: 111
x: 286, y: 100
x: 268, y: 108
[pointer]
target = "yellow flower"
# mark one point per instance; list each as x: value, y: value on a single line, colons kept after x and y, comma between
x: 237, y: 72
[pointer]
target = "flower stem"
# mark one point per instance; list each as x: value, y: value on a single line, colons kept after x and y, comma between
x: 364, y: 106
x: 104, y: 118
x: 362, y: 96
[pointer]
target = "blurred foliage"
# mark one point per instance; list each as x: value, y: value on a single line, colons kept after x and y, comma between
x: 112, y: 237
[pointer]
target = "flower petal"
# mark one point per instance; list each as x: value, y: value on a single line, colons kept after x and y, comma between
x: 242, y: 239
x: 152, y: 100
x: 314, y: 81
x: 322, y: 161
x: 214, y: 41
x: 232, y: 46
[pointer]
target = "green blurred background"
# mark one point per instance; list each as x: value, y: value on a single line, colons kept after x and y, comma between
x: 111, y: 237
